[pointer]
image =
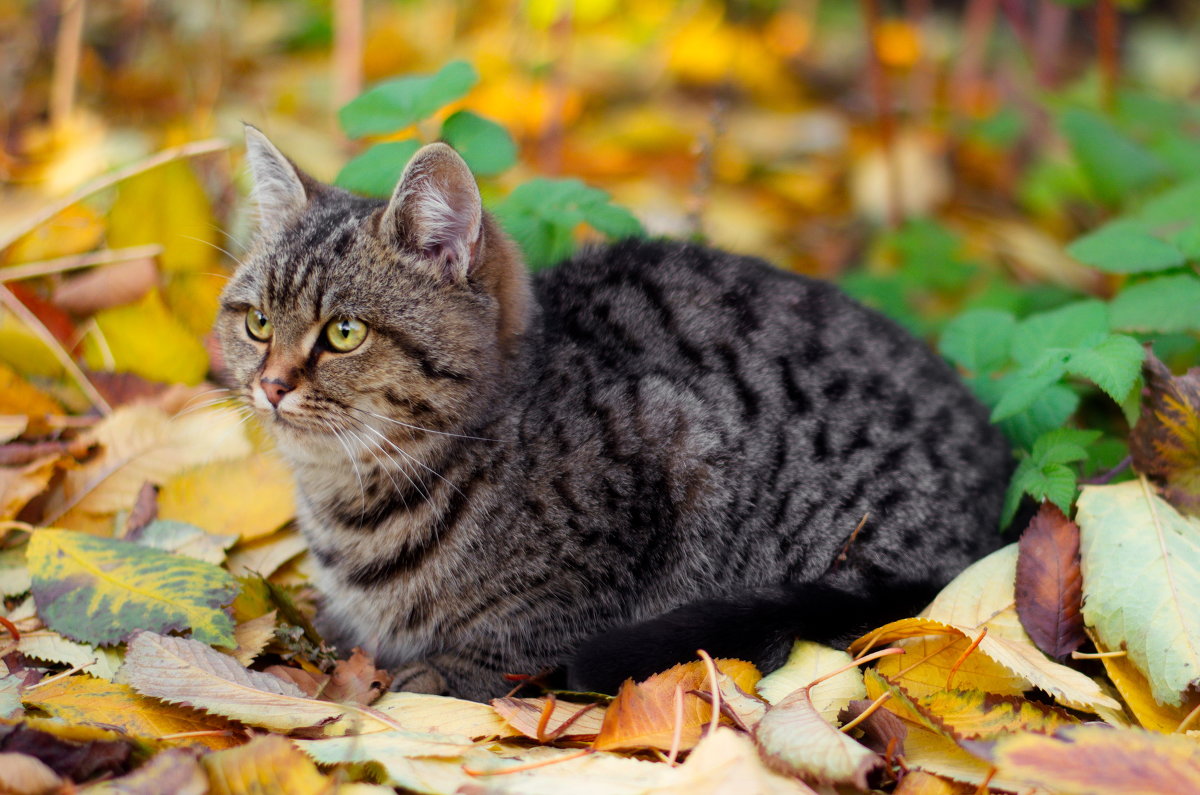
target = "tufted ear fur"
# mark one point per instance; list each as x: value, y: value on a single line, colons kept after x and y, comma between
x: 436, y: 212
x: 280, y: 190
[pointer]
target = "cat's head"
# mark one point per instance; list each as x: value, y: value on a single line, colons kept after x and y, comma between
x: 352, y: 315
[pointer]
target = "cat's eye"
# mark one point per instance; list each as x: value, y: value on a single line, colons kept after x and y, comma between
x: 345, y: 335
x: 257, y: 325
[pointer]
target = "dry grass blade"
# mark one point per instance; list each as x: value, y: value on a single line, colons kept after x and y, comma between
x: 32, y: 270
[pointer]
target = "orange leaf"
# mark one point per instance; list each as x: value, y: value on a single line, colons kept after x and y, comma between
x: 643, y: 715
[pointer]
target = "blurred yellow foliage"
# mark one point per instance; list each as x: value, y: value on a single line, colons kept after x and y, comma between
x: 145, y: 338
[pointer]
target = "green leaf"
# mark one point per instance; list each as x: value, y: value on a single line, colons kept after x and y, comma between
x: 485, y: 145
x: 542, y: 214
x: 1043, y: 474
x: 1173, y: 206
x: 978, y: 339
x: 1125, y: 246
x: 1063, y: 445
x: 1114, y: 164
x: 1113, y: 365
x: 376, y: 171
x: 1141, y: 580
x: 1077, y: 325
x: 1050, y: 410
x: 100, y: 590
x: 1022, y: 389
x: 1164, y: 304
x: 400, y: 103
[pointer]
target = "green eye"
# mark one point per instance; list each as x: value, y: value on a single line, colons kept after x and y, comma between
x: 345, y: 335
x: 257, y: 325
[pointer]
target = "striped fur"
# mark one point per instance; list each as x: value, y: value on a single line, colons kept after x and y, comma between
x: 506, y: 468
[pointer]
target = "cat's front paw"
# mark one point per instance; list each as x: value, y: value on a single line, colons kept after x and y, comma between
x: 420, y: 677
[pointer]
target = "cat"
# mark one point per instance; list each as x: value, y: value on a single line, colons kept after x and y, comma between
x: 654, y: 447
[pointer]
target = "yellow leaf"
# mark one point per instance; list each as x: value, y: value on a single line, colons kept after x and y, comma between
x: 806, y: 662
x: 22, y: 774
x: 918, y: 782
x: 140, y: 444
x: 24, y: 350
x: 75, y: 230
x: 418, y: 712
x: 1135, y: 690
x: 252, y: 637
x: 96, y: 661
x: 264, y: 556
x: 525, y: 715
x: 728, y: 762
x: 194, y: 299
x: 266, y: 764
x: 19, y: 485
x: 217, y: 496
x: 934, y: 753
x: 145, y: 338
x: 644, y: 715
x: 1093, y: 760
x: 18, y: 396
x: 167, y: 206
x: 82, y: 699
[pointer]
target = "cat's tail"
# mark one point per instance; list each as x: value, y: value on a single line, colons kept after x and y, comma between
x: 758, y: 626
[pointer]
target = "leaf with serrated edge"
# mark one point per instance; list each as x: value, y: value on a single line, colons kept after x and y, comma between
x: 428, y: 763
x: 1094, y: 760
x: 1165, y: 442
x: 1141, y: 580
x: 140, y: 443
x: 806, y: 662
x: 1135, y: 692
x: 52, y: 647
x: 643, y: 715
x: 934, y: 753
x: 266, y: 764
x: 181, y: 671
x: 422, y: 713
x: 524, y: 714
x: 1049, y: 585
x: 795, y: 739
x: 99, y: 590
x: 252, y: 637
x: 83, y: 699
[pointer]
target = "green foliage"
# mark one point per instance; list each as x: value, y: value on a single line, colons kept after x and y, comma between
x: 1113, y: 163
x: 542, y: 215
x: 1044, y: 474
x: 1162, y: 304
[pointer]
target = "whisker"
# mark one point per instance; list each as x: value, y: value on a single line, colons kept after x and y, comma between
x: 419, y: 428
x: 224, y: 251
x: 354, y: 463
x: 406, y: 454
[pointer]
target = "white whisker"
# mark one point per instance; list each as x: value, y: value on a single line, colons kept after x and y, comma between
x: 419, y: 428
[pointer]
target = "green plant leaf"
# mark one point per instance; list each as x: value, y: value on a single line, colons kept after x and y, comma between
x: 376, y: 171
x: 1113, y: 164
x: 100, y: 590
x: 542, y: 214
x: 1113, y: 365
x: 1077, y: 325
x: 978, y: 339
x: 1125, y: 246
x: 1177, y: 205
x: 1164, y: 304
x: 1023, y: 388
x: 396, y: 104
x: 1141, y: 581
x: 485, y: 145
x: 1044, y: 474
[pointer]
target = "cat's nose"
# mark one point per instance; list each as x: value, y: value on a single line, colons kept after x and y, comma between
x: 274, y: 389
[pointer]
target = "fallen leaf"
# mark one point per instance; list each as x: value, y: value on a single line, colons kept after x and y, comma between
x: 18, y: 396
x: 1165, y: 442
x: 1135, y: 692
x: 310, y: 684
x: 795, y: 739
x: 422, y: 713
x: 357, y: 680
x: 143, y: 512
x: 214, y: 496
x: 53, y: 647
x: 106, y: 286
x: 176, y: 771
x: 1049, y: 585
x: 146, y: 339
x: 12, y: 426
x: 726, y: 761
x: 14, y: 574
x: 140, y: 444
x: 1093, y: 760
x: 1141, y: 577
x: 99, y: 590
x: 882, y: 731
x: 806, y: 662
x: 181, y: 538
x: 83, y: 699
x: 79, y: 753
x: 266, y: 764
x: 264, y: 556
x: 252, y: 637
x: 413, y: 761
x: 19, y: 485
x: 918, y: 782
x: 525, y: 714
x: 27, y: 775
x: 643, y: 715
x: 168, y: 206
x: 187, y: 672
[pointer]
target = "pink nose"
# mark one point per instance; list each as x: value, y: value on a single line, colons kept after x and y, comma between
x: 274, y: 389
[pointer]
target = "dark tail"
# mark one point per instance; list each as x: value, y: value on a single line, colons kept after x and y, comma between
x: 758, y: 626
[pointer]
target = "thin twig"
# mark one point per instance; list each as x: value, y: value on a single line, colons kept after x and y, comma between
x: 12, y: 629
x: 566, y: 724
x: 1099, y: 655
x: 14, y: 305
x: 47, y: 267
x: 530, y: 766
x: 67, y: 48
x: 544, y: 718
x: 855, y: 663
x: 65, y: 674
x: 108, y: 180
x: 963, y: 657
x: 347, y: 50
x: 677, y: 732
x: 716, y: 690
x: 866, y: 713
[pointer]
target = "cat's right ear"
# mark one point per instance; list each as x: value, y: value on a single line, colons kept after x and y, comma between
x: 280, y: 190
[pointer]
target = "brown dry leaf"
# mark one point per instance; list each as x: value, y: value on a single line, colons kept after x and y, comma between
x: 357, y: 680
x: 880, y: 731
x: 176, y: 771
x: 79, y: 753
x: 419, y: 712
x: 107, y: 286
x: 310, y: 684
x: 525, y: 714
x: 19, y: 485
x: 1165, y: 443
x: 1049, y: 585
x: 214, y: 496
x: 18, y: 396
x: 266, y: 764
x: 1095, y: 760
x: 643, y: 715
x: 27, y: 775
x: 252, y: 637
x: 82, y: 699
x: 12, y: 426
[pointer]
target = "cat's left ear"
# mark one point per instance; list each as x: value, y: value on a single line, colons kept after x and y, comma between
x: 436, y: 212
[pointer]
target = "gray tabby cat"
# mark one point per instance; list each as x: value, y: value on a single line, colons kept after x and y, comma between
x: 656, y: 445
